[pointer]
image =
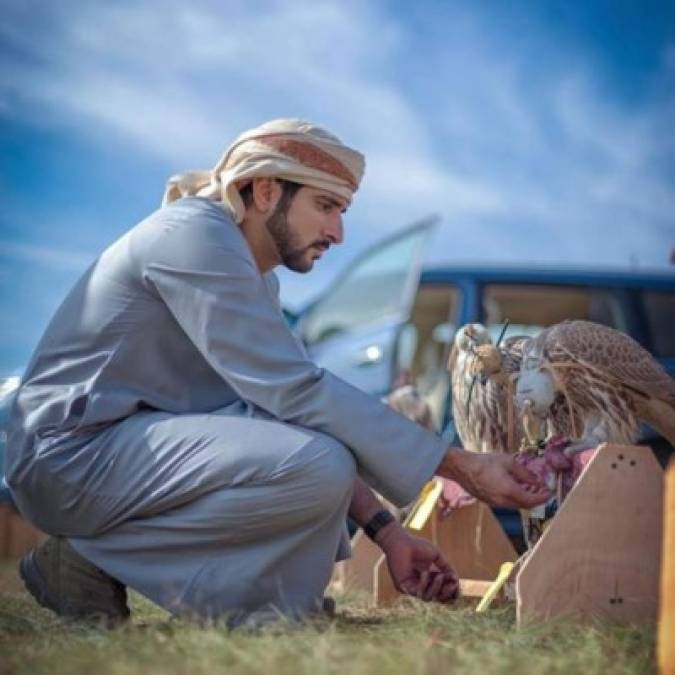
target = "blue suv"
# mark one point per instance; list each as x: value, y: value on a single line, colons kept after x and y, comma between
x: 387, y: 315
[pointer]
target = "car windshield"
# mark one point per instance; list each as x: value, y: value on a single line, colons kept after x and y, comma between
x: 371, y: 292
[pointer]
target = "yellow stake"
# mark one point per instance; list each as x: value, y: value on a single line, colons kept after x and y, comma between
x: 495, y: 587
x: 424, y: 506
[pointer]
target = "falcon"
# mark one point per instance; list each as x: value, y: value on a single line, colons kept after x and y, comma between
x: 483, y: 398
x: 483, y: 389
x: 590, y: 384
x: 579, y: 384
x: 608, y: 382
x: 482, y: 407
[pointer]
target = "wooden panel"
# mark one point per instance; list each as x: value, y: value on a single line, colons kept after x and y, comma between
x: 473, y: 541
x: 384, y: 592
x: 600, y: 555
x: 474, y: 588
x: 356, y: 573
x: 666, y: 636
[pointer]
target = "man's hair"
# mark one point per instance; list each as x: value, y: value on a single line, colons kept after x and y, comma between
x: 289, y: 188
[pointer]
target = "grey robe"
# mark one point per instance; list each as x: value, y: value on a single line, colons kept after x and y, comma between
x: 173, y: 427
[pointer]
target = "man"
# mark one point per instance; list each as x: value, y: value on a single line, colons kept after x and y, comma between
x: 172, y: 435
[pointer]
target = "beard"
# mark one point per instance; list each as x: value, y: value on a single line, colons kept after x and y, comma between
x: 293, y: 254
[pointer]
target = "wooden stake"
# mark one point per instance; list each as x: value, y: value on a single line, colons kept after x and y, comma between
x: 666, y: 637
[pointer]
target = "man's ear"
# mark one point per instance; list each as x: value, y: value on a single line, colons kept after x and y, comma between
x: 266, y: 194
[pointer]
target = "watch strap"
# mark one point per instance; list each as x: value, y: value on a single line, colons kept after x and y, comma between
x: 377, y: 522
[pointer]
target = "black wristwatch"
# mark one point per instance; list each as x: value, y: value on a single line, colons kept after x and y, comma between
x: 377, y: 522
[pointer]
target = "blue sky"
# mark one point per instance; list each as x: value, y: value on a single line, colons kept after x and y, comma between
x: 539, y: 131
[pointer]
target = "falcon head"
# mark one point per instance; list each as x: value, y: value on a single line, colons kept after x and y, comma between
x: 470, y: 336
x: 488, y: 364
x: 536, y: 390
x: 467, y: 340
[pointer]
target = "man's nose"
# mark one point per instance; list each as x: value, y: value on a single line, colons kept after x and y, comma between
x: 335, y: 231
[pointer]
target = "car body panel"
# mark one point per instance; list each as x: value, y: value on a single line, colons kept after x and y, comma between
x: 359, y: 338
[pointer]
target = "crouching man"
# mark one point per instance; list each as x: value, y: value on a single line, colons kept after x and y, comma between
x: 172, y: 435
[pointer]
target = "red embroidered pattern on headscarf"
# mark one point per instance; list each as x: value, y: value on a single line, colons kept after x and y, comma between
x: 310, y: 156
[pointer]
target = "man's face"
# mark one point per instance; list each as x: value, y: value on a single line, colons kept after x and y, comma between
x: 305, y: 225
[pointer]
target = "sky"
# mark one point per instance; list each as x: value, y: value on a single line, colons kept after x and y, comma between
x: 539, y: 132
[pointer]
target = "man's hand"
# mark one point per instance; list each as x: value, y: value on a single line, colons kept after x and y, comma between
x: 417, y: 566
x: 494, y: 478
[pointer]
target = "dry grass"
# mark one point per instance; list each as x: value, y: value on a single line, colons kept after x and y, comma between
x: 411, y: 638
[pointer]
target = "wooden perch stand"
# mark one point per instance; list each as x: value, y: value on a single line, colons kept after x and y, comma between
x: 470, y: 538
x: 600, y: 556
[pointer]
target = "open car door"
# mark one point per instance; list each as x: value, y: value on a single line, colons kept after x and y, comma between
x: 357, y: 328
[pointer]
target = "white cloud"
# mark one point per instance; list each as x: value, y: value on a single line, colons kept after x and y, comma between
x: 50, y: 256
x: 524, y: 160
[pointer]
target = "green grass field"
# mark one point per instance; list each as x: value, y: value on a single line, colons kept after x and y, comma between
x: 410, y: 638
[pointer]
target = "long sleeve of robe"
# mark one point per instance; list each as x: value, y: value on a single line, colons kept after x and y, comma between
x: 175, y: 317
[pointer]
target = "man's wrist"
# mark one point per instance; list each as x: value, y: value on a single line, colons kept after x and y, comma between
x: 377, y: 522
x: 387, y: 534
x: 451, y: 462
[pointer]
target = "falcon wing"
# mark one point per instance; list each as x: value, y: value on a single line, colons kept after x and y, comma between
x: 609, y: 352
x: 460, y: 393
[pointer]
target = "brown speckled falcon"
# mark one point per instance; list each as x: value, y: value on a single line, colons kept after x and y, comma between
x: 408, y: 401
x: 480, y: 406
x: 604, y: 377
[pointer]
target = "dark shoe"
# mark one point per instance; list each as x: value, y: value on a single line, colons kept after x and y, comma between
x: 329, y: 606
x: 62, y: 580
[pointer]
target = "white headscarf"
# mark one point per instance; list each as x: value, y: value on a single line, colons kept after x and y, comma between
x: 293, y: 149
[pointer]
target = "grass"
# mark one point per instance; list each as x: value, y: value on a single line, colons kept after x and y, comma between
x: 410, y: 638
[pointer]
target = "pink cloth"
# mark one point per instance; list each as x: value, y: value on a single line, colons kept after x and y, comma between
x: 454, y: 496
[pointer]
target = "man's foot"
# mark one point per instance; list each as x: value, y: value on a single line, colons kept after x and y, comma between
x: 329, y: 606
x: 62, y: 580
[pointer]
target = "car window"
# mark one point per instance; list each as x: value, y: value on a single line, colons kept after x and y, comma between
x: 376, y: 289
x: 434, y: 318
x: 531, y: 307
x: 660, y: 310
x: 430, y: 331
